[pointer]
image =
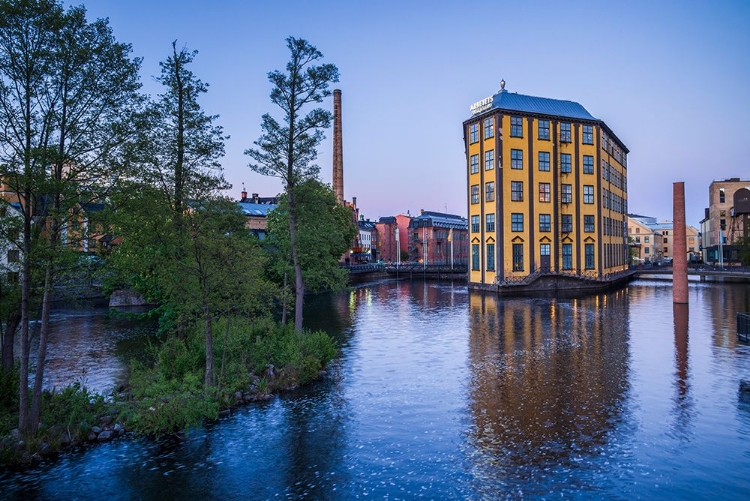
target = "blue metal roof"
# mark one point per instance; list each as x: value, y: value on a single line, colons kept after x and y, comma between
x: 439, y: 220
x: 511, y: 101
x: 260, y: 210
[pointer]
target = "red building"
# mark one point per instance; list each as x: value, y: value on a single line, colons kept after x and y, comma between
x: 393, y: 238
x: 437, y: 238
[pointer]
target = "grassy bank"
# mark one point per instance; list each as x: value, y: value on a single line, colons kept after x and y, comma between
x: 165, y: 394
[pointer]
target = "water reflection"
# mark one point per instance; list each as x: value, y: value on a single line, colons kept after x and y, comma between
x: 548, y: 383
x: 443, y: 393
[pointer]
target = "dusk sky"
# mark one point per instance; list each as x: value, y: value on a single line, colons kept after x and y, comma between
x: 670, y: 78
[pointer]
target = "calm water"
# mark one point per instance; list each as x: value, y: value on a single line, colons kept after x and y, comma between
x: 445, y: 394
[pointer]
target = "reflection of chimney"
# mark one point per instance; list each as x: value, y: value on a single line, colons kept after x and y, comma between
x: 338, y: 148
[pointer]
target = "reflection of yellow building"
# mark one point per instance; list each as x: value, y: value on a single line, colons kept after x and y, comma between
x: 546, y: 375
x: 547, y: 189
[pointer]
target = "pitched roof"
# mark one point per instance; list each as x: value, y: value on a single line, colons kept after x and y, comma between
x: 439, y: 220
x: 511, y: 101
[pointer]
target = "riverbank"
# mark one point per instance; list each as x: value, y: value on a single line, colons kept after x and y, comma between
x: 165, y: 395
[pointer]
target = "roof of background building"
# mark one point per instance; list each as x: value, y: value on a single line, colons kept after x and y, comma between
x: 366, y: 225
x: 260, y: 210
x: 439, y: 220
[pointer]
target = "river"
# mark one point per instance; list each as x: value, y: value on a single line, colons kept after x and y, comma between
x: 444, y: 393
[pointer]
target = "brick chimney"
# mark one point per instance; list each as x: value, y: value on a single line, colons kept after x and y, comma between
x: 244, y: 193
x: 338, y: 148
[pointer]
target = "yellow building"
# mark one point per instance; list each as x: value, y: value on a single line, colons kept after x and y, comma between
x: 547, y: 190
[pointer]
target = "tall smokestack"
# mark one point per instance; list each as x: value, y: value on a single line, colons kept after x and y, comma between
x: 338, y: 148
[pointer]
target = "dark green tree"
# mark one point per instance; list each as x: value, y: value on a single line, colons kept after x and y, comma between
x: 288, y: 151
x: 68, y: 94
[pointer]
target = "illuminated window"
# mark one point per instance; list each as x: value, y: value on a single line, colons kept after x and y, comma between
x: 544, y: 192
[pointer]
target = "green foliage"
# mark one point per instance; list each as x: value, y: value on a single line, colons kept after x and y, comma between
x: 169, y: 396
x: 73, y: 408
x: 326, y: 232
x: 8, y: 400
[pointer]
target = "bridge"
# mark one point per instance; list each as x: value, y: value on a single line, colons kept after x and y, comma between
x: 698, y: 274
x: 411, y: 270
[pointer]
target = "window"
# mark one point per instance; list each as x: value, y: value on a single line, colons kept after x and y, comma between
x: 516, y: 222
x: 473, y: 133
x: 490, y: 223
x: 489, y: 128
x: 475, y: 194
x: 516, y: 127
x: 567, y: 223
x: 565, y: 163
x: 665, y: 240
x: 516, y: 191
x: 645, y: 239
x: 489, y: 191
x: 722, y: 225
x: 588, y: 224
x: 475, y: 257
x: 588, y: 134
x: 544, y: 192
x: 490, y: 257
x: 475, y: 224
x: 544, y: 161
x: 588, y: 194
x: 566, y: 193
x: 489, y: 160
x: 14, y: 256
x: 543, y: 129
x: 517, y: 257
x: 545, y: 223
x: 564, y: 132
x: 567, y: 256
x: 646, y: 250
x: 474, y: 164
x: 722, y: 196
x: 637, y: 240
x: 666, y: 250
x: 589, y: 256
x: 516, y: 159
x: 544, y: 249
x: 13, y: 277
x: 588, y: 164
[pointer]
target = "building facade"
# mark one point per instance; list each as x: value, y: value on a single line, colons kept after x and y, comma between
x: 393, y: 238
x: 547, y: 190
x: 436, y: 238
x: 657, y: 239
x: 725, y: 223
x: 645, y: 242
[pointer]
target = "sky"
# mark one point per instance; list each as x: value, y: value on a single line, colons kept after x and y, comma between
x: 670, y: 78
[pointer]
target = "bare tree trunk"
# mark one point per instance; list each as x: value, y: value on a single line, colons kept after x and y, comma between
x: 299, y: 284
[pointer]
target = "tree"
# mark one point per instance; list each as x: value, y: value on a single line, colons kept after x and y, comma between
x: 326, y: 231
x: 287, y: 151
x: 68, y: 94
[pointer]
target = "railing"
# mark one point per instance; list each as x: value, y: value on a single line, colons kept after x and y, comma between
x: 588, y: 275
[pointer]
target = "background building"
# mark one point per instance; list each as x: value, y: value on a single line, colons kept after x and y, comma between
x: 436, y: 238
x: 393, y: 238
x: 547, y: 189
x: 726, y: 220
x: 658, y: 239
